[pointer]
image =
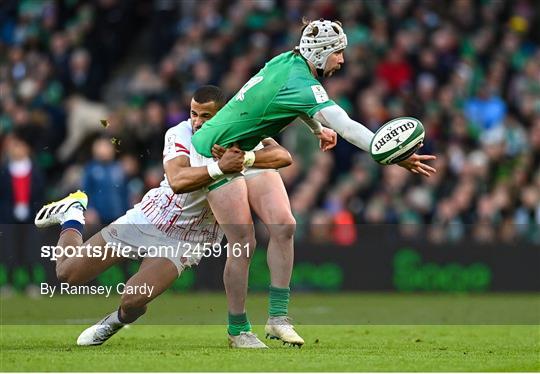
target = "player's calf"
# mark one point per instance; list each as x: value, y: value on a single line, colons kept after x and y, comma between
x: 133, y: 306
x: 82, y: 269
x: 69, y: 272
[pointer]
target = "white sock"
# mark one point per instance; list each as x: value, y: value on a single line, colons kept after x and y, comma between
x: 74, y: 213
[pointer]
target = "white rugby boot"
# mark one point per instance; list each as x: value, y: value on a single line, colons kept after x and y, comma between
x: 246, y: 339
x: 281, y: 328
x: 58, y: 212
x: 100, y: 332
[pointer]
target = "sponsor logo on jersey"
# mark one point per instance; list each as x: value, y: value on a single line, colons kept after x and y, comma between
x: 170, y: 141
x: 319, y: 93
x: 173, y: 147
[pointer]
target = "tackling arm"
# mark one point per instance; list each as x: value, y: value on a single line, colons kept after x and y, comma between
x: 184, y: 178
x: 272, y: 156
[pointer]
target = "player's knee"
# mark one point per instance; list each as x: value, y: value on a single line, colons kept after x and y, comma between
x: 287, y: 231
x: 246, y: 238
x: 288, y: 224
x: 284, y: 227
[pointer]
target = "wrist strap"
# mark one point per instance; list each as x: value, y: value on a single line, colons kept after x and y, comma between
x: 214, y: 171
x: 249, y: 159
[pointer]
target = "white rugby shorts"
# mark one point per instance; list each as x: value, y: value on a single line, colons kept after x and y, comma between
x: 135, y: 234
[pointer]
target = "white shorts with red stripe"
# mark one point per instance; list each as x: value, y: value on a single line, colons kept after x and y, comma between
x: 138, y: 238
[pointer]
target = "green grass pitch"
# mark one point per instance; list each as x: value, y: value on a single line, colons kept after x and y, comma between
x: 343, y: 332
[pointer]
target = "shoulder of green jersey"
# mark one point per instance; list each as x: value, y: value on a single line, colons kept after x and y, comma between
x: 320, y: 93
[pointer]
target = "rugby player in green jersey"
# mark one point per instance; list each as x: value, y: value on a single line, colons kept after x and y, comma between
x: 284, y: 91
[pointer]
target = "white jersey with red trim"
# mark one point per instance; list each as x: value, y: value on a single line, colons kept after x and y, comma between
x: 185, y: 216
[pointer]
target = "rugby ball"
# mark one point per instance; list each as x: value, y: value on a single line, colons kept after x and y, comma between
x: 396, y: 140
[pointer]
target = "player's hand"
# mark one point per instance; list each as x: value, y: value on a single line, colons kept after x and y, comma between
x: 327, y: 139
x: 218, y: 151
x: 269, y: 142
x: 415, y: 164
x: 232, y: 161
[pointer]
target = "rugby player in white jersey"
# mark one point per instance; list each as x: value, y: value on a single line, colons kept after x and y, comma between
x: 163, y: 218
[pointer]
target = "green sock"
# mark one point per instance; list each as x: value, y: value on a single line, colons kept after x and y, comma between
x: 279, y: 301
x: 238, y: 323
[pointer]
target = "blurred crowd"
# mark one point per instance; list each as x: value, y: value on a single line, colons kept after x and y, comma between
x: 469, y: 70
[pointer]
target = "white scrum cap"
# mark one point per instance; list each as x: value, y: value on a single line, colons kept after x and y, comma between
x: 320, y: 39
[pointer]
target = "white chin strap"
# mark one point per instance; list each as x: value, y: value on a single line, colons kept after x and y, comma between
x: 319, y: 40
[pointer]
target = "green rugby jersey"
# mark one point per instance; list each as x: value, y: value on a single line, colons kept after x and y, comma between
x: 268, y: 102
